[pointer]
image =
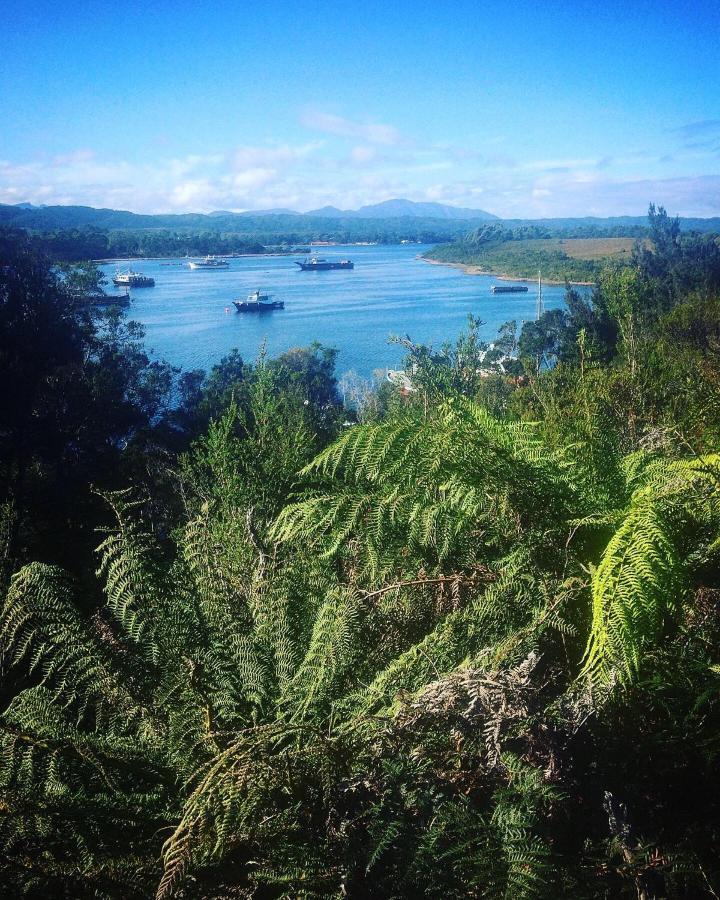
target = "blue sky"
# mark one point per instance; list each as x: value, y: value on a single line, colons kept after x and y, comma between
x: 523, y: 109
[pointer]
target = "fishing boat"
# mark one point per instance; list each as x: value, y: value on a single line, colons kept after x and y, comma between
x: 257, y: 302
x: 316, y: 264
x: 509, y: 289
x: 133, y: 279
x: 210, y: 262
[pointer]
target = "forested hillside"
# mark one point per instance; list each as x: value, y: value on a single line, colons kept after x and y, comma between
x: 79, y: 232
x: 461, y: 640
x: 74, y: 233
x: 571, y: 252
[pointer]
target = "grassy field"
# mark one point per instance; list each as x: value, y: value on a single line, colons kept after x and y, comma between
x: 586, y: 248
x: 577, y: 259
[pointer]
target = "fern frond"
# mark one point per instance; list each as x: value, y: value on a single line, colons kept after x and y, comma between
x: 642, y: 581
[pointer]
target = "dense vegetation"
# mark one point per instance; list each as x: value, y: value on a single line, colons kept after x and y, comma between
x: 73, y: 233
x: 524, y: 250
x: 576, y: 254
x: 466, y: 646
x: 102, y: 234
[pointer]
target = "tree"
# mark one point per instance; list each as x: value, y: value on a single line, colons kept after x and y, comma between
x: 83, y: 390
x: 541, y: 341
x: 83, y: 279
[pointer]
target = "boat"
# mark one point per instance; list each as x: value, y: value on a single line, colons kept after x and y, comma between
x: 509, y: 289
x: 316, y: 264
x: 257, y: 302
x: 210, y: 262
x: 133, y: 279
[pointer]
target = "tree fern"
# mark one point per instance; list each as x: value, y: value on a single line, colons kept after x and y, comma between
x: 434, y: 487
x: 642, y: 581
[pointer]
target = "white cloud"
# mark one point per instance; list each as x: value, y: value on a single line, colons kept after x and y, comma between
x: 308, y: 175
x: 540, y: 165
x: 253, y: 178
x: 372, y: 132
x: 77, y: 156
x: 249, y: 156
x: 191, y: 194
x: 363, y: 154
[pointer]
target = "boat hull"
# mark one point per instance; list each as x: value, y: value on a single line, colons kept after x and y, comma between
x: 254, y: 307
x: 134, y: 282
x: 108, y: 300
x: 324, y: 266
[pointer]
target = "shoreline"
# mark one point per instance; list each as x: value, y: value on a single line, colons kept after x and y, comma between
x: 313, y: 248
x: 470, y: 269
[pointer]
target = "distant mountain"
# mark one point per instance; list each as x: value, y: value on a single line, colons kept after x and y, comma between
x: 393, y: 219
x: 396, y: 209
x: 225, y: 213
x: 391, y: 209
x: 331, y: 212
x: 28, y: 216
x: 267, y: 212
x: 48, y: 217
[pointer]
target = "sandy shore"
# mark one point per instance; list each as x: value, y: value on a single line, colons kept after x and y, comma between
x: 501, y: 276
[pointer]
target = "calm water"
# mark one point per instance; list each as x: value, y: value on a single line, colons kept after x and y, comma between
x: 390, y: 292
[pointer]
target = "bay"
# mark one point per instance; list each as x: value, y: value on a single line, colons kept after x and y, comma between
x: 190, y: 321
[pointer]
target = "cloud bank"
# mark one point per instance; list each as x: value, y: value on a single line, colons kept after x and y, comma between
x: 349, y: 163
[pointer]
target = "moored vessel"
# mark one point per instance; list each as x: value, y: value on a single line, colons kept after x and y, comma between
x: 509, y: 289
x: 258, y: 302
x: 316, y: 264
x: 210, y: 262
x: 133, y: 279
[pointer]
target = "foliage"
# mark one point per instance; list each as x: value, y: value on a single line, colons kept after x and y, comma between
x: 467, y: 647
x: 83, y: 389
x: 518, y: 258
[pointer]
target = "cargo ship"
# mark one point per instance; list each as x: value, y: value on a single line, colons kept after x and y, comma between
x: 316, y: 264
x: 257, y: 302
x: 509, y: 289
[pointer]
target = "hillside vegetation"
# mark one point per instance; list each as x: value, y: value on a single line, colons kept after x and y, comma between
x: 75, y: 233
x: 601, y: 248
x: 517, y: 252
x: 458, y: 641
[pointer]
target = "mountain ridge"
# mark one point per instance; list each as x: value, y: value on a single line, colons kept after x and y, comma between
x: 396, y: 215
x: 401, y: 208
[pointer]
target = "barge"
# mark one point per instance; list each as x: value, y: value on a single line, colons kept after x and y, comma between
x: 316, y: 264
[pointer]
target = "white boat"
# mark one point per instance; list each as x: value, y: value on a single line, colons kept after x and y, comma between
x: 210, y: 262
